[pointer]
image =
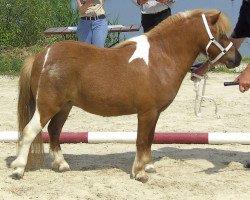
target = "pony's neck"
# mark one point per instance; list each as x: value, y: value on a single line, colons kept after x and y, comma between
x: 179, y: 41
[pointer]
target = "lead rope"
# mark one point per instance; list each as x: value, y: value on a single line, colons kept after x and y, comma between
x: 200, y: 98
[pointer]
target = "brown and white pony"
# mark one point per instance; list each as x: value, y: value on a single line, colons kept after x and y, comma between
x: 141, y: 75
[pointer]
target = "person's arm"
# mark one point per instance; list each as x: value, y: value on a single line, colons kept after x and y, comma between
x: 135, y: 2
x: 244, y: 79
x: 140, y: 2
x: 165, y: 1
x: 83, y: 6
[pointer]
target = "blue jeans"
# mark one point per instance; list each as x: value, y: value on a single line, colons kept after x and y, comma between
x: 93, y: 31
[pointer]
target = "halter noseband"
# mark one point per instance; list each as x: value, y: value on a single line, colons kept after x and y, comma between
x: 213, y: 40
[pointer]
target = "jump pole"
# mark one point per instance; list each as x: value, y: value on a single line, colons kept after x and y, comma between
x: 130, y: 137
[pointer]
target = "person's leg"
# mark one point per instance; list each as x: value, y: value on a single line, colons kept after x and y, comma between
x: 147, y: 22
x: 162, y: 16
x: 242, y: 26
x: 100, y: 32
x: 84, y: 32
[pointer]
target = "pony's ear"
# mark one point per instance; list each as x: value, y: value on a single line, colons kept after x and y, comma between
x: 214, y: 18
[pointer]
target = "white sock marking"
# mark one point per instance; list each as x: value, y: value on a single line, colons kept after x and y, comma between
x: 59, y: 161
x: 58, y: 156
x: 30, y: 132
x: 35, y: 123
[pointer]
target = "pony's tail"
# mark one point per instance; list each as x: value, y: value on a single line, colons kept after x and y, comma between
x: 25, y: 111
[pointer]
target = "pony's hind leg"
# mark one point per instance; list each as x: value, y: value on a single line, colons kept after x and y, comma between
x: 42, y: 115
x: 143, y: 159
x: 31, y: 130
x: 54, y: 129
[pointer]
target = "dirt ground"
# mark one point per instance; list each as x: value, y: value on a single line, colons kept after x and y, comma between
x: 102, y: 171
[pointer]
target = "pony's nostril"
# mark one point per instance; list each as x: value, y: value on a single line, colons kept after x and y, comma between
x: 237, y: 60
x: 232, y: 63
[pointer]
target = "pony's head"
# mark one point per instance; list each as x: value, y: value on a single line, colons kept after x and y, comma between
x: 216, y: 44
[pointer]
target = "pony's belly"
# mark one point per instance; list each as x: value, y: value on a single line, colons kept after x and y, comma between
x: 107, y: 110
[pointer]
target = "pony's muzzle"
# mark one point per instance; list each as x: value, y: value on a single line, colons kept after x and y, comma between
x: 234, y: 61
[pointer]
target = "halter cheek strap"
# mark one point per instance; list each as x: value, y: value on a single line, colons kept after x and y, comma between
x: 213, y: 41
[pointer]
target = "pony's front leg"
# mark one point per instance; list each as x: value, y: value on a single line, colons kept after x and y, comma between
x: 29, y: 134
x: 145, y: 134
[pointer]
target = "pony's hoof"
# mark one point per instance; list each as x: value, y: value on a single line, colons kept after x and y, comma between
x: 142, y: 177
x: 247, y: 165
x: 150, y: 168
x: 61, y: 167
x: 18, y: 174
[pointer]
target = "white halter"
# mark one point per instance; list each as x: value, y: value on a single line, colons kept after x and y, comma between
x: 213, y: 40
x: 201, y: 97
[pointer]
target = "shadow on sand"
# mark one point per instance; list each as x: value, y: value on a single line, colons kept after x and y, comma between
x: 123, y: 161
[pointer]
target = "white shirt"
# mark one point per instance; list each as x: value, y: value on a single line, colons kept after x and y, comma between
x: 152, y: 6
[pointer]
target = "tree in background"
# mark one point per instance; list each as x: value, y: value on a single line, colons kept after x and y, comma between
x: 23, y: 21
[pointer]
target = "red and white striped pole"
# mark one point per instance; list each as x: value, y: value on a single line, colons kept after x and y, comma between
x: 130, y: 137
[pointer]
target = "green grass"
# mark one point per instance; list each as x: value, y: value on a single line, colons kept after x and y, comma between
x: 224, y: 69
x: 246, y: 59
x: 11, y: 59
x: 10, y: 66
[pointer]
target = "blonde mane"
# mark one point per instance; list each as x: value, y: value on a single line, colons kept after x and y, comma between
x: 223, y: 24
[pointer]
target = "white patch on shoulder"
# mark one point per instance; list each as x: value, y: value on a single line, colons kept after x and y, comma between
x: 142, y: 48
